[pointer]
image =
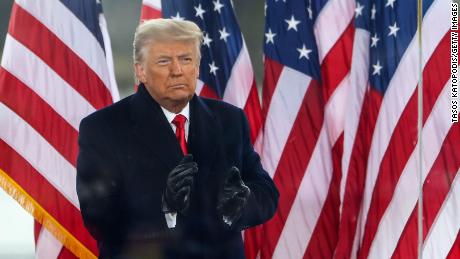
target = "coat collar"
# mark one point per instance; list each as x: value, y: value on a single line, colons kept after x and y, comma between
x: 151, y: 125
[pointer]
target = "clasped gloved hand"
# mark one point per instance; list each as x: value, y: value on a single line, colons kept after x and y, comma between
x: 176, y: 197
x: 233, y: 197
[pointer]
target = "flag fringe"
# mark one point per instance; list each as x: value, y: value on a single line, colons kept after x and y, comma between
x: 43, y: 217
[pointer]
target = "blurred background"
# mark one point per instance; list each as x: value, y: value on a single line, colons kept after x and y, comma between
x: 16, y: 225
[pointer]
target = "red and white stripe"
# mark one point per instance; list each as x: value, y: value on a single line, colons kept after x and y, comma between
x: 350, y: 184
x: 47, y: 246
x: 380, y: 192
x: 42, y: 100
x: 302, y: 142
x: 151, y: 9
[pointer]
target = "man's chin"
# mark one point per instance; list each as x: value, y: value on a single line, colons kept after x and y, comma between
x: 181, y: 97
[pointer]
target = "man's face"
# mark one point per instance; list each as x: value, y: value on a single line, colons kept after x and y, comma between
x: 170, y: 72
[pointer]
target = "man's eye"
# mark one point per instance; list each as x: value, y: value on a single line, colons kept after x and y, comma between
x: 163, y: 62
x: 186, y: 60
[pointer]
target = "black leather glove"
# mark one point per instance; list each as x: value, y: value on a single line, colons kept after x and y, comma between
x: 233, y: 197
x: 176, y: 197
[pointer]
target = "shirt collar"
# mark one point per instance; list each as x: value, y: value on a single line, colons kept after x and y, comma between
x: 170, y: 115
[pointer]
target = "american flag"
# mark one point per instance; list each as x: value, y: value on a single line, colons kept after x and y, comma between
x: 55, y: 70
x: 342, y: 102
x: 225, y: 71
x: 381, y: 149
x: 337, y: 132
x: 308, y: 47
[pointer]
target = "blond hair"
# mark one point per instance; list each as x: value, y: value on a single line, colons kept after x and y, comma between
x: 164, y: 30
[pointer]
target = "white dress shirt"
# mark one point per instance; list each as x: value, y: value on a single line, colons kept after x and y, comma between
x: 171, y: 217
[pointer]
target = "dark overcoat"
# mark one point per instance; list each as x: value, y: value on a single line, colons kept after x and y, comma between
x: 126, y: 153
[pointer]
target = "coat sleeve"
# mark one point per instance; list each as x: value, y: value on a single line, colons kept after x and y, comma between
x: 98, y: 185
x: 263, y: 200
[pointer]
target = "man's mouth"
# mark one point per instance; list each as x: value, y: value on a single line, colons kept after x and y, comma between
x: 178, y: 86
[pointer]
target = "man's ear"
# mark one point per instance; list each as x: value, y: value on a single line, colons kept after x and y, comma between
x: 140, y: 72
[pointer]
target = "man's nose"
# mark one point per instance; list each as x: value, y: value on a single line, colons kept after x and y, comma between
x: 176, y: 67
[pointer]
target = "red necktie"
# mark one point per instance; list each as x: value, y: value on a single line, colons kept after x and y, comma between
x: 179, y: 121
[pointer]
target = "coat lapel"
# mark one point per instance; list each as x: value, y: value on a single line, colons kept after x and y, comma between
x: 203, y: 134
x: 153, y: 129
x: 155, y: 134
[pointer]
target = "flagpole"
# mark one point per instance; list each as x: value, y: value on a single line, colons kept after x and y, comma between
x: 419, y: 127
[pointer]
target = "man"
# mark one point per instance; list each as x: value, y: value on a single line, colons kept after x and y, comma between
x: 164, y: 173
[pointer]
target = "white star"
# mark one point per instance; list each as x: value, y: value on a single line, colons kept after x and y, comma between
x: 177, y: 17
x: 358, y: 10
x: 292, y: 23
x: 223, y: 34
x: 265, y: 9
x: 217, y: 5
x: 269, y: 36
x: 304, y: 52
x: 199, y: 11
x: 213, y: 68
x: 391, y: 3
x: 310, y: 12
x: 373, y: 12
x: 377, y: 67
x: 374, y: 39
x: 207, y: 40
x: 393, y: 30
